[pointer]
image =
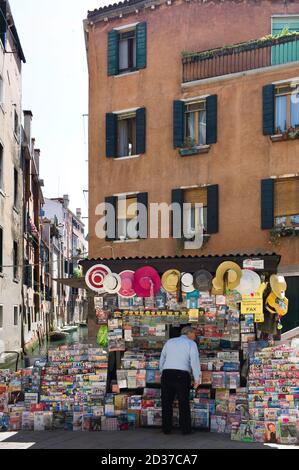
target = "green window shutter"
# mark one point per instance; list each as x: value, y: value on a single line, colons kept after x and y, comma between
x: 111, y: 135
x: 267, y: 204
x: 142, y: 198
x: 178, y: 198
x: 140, y: 131
x: 113, y: 52
x: 178, y: 123
x: 111, y: 223
x: 3, y: 24
x: 268, y: 109
x: 141, y: 45
x: 213, y: 209
x: 212, y: 112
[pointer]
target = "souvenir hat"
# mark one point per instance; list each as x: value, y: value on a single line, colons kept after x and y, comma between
x: 234, y: 274
x: 146, y: 278
x: 112, y: 283
x: 277, y: 305
x: 278, y: 285
x: 170, y: 280
x: 127, y: 280
x: 203, y: 280
x: 95, y: 276
x: 250, y: 282
x: 187, y: 282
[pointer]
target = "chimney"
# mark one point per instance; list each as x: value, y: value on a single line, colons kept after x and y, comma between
x: 79, y: 213
x: 36, y: 159
x: 27, y: 126
x: 66, y: 201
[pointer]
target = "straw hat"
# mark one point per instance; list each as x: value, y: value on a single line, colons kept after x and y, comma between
x: 112, y: 283
x: 278, y: 285
x: 187, y: 282
x: 170, y: 280
x: 203, y: 280
x: 250, y: 282
x: 234, y: 274
x: 277, y: 305
x: 146, y: 281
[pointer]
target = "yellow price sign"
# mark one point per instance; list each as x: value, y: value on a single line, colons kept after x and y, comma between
x: 252, y: 306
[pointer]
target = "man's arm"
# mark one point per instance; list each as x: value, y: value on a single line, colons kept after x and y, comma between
x: 163, y: 357
x: 195, y: 362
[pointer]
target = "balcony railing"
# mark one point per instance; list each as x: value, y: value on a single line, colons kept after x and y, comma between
x: 240, y: 57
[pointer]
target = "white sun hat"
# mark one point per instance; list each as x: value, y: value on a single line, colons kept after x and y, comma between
x: 112, y: 283
x: 187, y: 282
x: 250, y: 282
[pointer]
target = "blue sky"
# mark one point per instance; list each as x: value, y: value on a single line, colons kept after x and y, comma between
x: 55, y: 89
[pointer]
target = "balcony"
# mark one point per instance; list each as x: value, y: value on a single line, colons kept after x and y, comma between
x: 259, y: 53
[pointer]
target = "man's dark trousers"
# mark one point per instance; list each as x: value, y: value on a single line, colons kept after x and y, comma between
x: 176, y: 383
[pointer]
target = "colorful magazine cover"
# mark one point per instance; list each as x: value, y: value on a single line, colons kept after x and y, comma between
x: 270, y: 432
x: 27, y: 421
x: 287, y: 433
x: 218, y: 423
x: 4, y: 422
x: 58, y: 420
x: 39, y: 421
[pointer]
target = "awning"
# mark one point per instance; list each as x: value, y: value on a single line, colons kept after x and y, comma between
x: 76, y: 282
x: 184, y: 263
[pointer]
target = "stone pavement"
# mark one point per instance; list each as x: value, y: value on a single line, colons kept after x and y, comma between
x: 141, y: 439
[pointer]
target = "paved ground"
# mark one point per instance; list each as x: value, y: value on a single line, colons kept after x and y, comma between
x: 141, y: 439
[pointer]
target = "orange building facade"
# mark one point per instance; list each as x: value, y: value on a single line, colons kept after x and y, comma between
x: 167, y: 123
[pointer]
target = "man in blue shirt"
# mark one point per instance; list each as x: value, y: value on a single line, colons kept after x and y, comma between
x: 179, y: 358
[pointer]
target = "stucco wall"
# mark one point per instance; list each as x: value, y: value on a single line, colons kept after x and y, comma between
x: 240, y: 159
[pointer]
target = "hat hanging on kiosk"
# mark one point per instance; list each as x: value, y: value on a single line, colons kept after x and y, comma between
x: 233, y: 272
x: 170, y: 280
x: 112, y: 283
x: 127, y: 288
x: 277, y: 305
x: 203, y: 280
x: 187, y: 282
x: 278, y: 285
x: 95, y: 276
x: 147, y: 281
x: 250, y: 282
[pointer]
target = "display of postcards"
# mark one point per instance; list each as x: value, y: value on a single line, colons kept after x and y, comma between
x: 232, y: 404
x: 192, y: 300
x: 205, y: 299
x: 211, y: 315
x: 3, y: 399
x: 287, y: 433
x: 218, y: 380
x: 128, y: 333
x: 247, y: 323
x: 117, y: 345
x: 141, y: 378
x: 58, y: 420
x: 154, y: 417
x: 98, y: 302
x: 247, y: 337
x: 27, y: 421
x: 209, y: 343
x: 110, y: 302
x: 134, y: 402
x: 271, y: 414
x: 109, y: 424
x: 270, y: 435
x: 231, y: 366
x: 109, y: 410
x: 149, y: 302
x: 232, y: 419
x: 30, y: 399
x: 232, y: 380
x: 258, y: 430
x: 138, y: 302
x: 218, y: 423
x: 221, y: 406
x: 160, y: 300
x: 68, y: 424
x: 152, y: 393
x: 222, y: 394
x: 220, y: 300
x: 200, y: 419
x: 247, y: 431
x: 4, y: 422
x: 171, y: 301
x: 101, y: 316
x: 77, y: 421
x: 256, y: 413
x: 235, y: 432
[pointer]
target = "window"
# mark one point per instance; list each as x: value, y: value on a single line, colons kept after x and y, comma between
x: 1, y: 316
x: 127, y: 51
x: 15, y: 316
x: 286, y: 202
x: 286, y: 108
x: 126, y: 133
x: 1, y: 167
x: 16, y: 124
x: 29, y: 318
x: 16, y: 183
x: 196, y: 123
x: 127, y: 217
x: 1, y: 249
x: 196, y: 217
x: 15, y: 260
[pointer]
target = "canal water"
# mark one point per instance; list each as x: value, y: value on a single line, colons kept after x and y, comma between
x: 40, y: 352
